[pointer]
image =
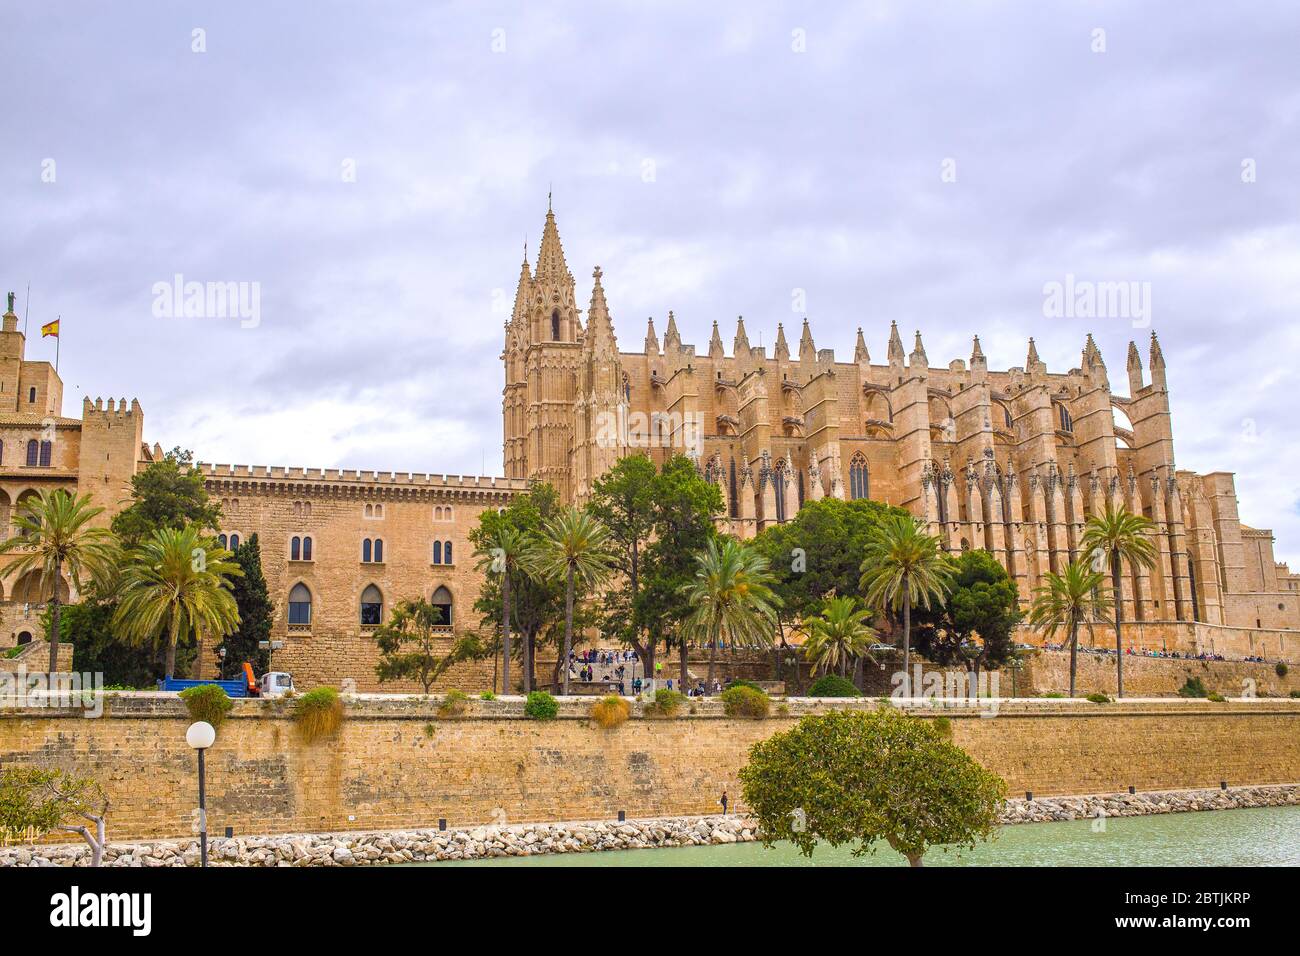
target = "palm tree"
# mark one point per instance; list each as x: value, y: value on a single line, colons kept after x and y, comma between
x: 501, y: 554
x: 904, y: 566
x: 732, y: 597
x: 55, y: 537
x: 1067, y: 601
x: 1117, y: 536
x: 176, y: 584
x: 574, y: 547
x: 839, y: 634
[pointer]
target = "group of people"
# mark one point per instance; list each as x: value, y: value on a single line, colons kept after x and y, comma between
x: 1173, y: 655
x: 622, y: 668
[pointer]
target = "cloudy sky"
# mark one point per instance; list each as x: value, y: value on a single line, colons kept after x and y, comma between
x: 376, y: 169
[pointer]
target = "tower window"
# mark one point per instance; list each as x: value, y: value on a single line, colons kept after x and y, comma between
x: 46, y: 449
x: 859, y: 478
x: 32, y: 450
x: 31, y: 395
x: 555, y: 325
x: 372, y: 607
x: 300, y: 605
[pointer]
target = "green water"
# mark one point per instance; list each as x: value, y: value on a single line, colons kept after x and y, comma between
x: 1267, y: 836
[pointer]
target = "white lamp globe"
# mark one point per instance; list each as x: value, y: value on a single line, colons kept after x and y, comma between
x: 200, y: 735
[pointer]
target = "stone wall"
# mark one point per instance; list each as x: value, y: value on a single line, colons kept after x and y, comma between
x: 1152, y: 676
x: 395, y: 763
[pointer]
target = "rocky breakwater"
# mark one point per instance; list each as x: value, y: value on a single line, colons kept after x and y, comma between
x: 403, y: 846
x: 1053, y: 809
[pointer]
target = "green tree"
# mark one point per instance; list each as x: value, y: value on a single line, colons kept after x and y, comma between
x: 176, y: 587
x: 536, y: 601
x: 838, y: 635
x: 55, y: 537
x: 1067, y: 601
x: 983, y: 603
x: 904, y: 567
x: 500, y: 552
x: 685, y: 508
x: 408, y: 645
x: 849, y: 777
x: 622, y: 500
x: 168, y: 493
x: 36, y: 800
x: 1117, y: 536
x: 97, y: 648
x: 574, y: 547
x: 256, y: 614
x: 731, y: 597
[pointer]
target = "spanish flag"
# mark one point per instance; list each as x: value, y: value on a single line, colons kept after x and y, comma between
x: 50, y: 328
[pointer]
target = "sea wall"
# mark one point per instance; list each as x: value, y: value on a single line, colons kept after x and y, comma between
x: 395, y: 763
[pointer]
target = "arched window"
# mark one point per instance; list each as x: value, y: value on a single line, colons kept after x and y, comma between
x: 437, y: 552
x: 299, y: 605
x: 859, y: 479
x: 1067, y: 423
x: 295, y: 549
x: 306, y: 549
x: 779, y: 479
x: 442, y: 601
x: 555, y: 325
x: 370, y: 511
x: 31, y: 395
x: 234, y: 542
x: 2, y: 453
x: 25, y: 637
x: 33, y: 448
x: 379, y: 550
x: 46, y: 449
x: 1191, y: 584
x: 372, y: 607
x: 731, y: 485
x: 221, y: 540
x: 446, y: 553
x: 365, y: 551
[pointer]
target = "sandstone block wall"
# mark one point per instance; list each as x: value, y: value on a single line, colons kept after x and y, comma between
x: 396, y: 764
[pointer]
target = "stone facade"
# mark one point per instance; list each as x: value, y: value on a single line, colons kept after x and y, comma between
x: 1012, y: 460
x: 396, y: 763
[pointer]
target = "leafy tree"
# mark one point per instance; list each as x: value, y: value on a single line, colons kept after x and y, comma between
x: 176, y: 587
x: 574, y: 547
x: 904, y: 566
x: 256, y: 614
x: 1117, y: 536
x: 536, y: 602
x: 622, y: 500
x: 685, y: 508
x: 1067, y: 601
x: 839, y: 634
x: 983, y: 602
x: 55, y: 536
x: 96, y: 647
x: 832, y: 685
x: 501, y: 552
x: 850, y: 777
x: 731, y: 597
x: 818, y: 553
x: 168, y: 493
x: 407, y: 645
x: 37, y: 800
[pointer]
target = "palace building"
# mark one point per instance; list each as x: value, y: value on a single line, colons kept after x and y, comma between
x: 1011, y: 460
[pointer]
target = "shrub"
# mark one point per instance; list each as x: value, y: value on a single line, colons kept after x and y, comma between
x: 833, y: 685
x: 454, y: 704
x: 745, y: 702
x: 541, y: 706
x: 1295, y: 693
x: 487, y: 695
x: 610, y: 711
x: 1217, y: 698
x: 666, y: 703
x: 1281, y: 669
x: 943, y: 726
x: 1193, y: 687
x: 207, y: 702
x: 1053, y: 694
x: 1099, y: 698
x: 319, y: 713
x: 739, y: 682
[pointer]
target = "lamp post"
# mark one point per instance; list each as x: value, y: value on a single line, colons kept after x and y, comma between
x: 201, y: 736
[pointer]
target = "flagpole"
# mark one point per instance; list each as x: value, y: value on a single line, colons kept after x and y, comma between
x: 27, y: 309
x: 58, y: 341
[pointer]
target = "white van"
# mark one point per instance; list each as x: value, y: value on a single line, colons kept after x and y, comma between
x: 275, y: 684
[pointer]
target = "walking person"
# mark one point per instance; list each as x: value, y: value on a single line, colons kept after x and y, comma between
x: 723, y: 801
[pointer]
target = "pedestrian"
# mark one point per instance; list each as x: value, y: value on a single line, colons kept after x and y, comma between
x: 723, y: 801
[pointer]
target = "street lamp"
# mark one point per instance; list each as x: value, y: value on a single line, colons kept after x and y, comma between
x: 201, y: 736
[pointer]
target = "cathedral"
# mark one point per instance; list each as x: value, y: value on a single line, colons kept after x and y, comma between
x: 1013, y: 461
